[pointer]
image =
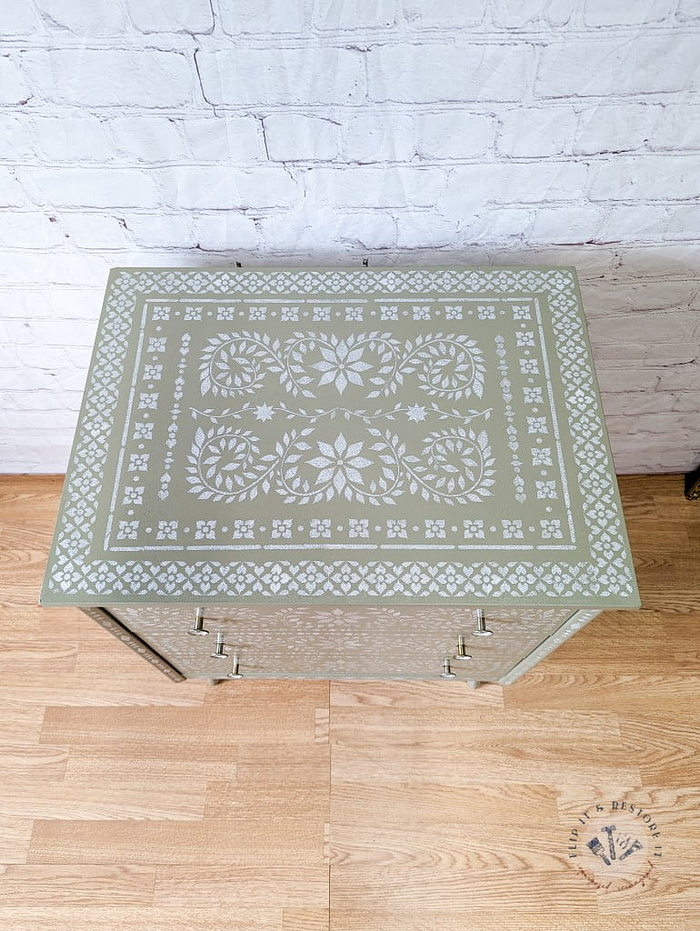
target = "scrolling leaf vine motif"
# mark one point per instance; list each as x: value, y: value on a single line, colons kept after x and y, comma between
x: 446, y: 366
x: 227, y: 464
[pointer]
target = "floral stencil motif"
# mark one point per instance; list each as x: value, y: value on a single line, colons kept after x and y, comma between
x: 450, y: 366
x: 227, y: 464
x: 340, y: 466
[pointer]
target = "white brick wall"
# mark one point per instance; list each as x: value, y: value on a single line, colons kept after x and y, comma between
x: 190, y: 132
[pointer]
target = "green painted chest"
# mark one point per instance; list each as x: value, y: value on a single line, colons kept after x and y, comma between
x: 342, y: 472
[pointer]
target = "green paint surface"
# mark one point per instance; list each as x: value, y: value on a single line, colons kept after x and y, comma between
x: 339, y: 435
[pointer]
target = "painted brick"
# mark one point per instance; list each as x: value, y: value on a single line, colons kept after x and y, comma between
x: 16, y: 136
x: 374, y: 187
x: 17, y: 19
x: 15, y: 332
x: 18, y: 400
x: 92, y: 187
x: 677, y: 127
x: 641, y: 222
x: 684, y: 223
x: 683, y: 422
x: 425, y: 73
x: 282, y: 76
x: 680, y: 378
x: 600, y: 66
x: 688, y: 10
x: 572, y: 224
x: 671, y: 177
x: 55, y: 303
x: 619, y: 128
x: 29, y: 231
x: 640, y: 353
x: 48, y: 269
x: 251, y: 16
x: 217, y: 188
x: 111, y: 77
x: 147, y: 139
x: 512, y: 183
x: 607, y: 13
x: 503, y: 225
x: 224, y: 138
x: 622, y: 381
x: 445, y: 13
x: 295, y: 137
x: 649, y: 326
x: 73, y: 139
x: 424, y: 230
x: 225, y: 232
x: 162, y: 230
x: 312, y: 228
x: 353, y: 14
x: 453, y: 134
x: 94, y: 230
x: 532, y: 132
x: 96, y: 18
x: 371, y: 230
x: 48, y: 454
x: 193, y: 16
x: 647, y: 402
x: 11, y: 193
x: 526, y: 14
x: 13, y: 86
x: 39, y: 420
x: 377, y: 137
x: 612, y: 297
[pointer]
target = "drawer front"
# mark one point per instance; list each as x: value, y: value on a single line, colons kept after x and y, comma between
x: 341, y: 642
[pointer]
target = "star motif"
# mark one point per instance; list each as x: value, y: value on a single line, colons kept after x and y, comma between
x: 264, y: 412
x: 416, y: 412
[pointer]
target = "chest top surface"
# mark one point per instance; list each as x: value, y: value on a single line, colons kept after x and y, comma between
x: 341, y: 435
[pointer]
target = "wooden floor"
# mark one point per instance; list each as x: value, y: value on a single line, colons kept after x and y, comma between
x: 129, y: 802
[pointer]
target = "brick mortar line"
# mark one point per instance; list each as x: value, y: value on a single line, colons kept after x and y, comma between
x: 376, y: 37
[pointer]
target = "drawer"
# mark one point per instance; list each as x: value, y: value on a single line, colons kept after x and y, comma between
x: 403, y: 642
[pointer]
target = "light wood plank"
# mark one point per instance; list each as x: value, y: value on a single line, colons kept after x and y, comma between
x: 241, y: 887
x: 108, y: 797
x: 265, y: 841
x: 266, y: 917
x: 15, y: 836
x: 78, y: 884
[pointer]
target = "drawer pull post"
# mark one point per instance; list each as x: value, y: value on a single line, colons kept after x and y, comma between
x: 462, y: 649
x: 446, y: 671
x: 219, y: 651
x: 235, y: 674
x: 481, y: 629
x: 198, y: 629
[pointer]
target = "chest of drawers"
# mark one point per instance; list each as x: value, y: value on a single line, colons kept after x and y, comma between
x: 397, y: 473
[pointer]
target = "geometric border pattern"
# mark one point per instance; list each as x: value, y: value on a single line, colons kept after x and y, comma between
x: 604, y: 577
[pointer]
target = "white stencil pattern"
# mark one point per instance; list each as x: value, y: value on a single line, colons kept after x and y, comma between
x: 599, y: 574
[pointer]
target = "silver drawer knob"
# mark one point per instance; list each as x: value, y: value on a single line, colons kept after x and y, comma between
x: 219, y: 651
x: 198, y: 629
x: 481, y: 628
x: 446, y: 671
x: 235, y: 674
x: 461, y: 653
